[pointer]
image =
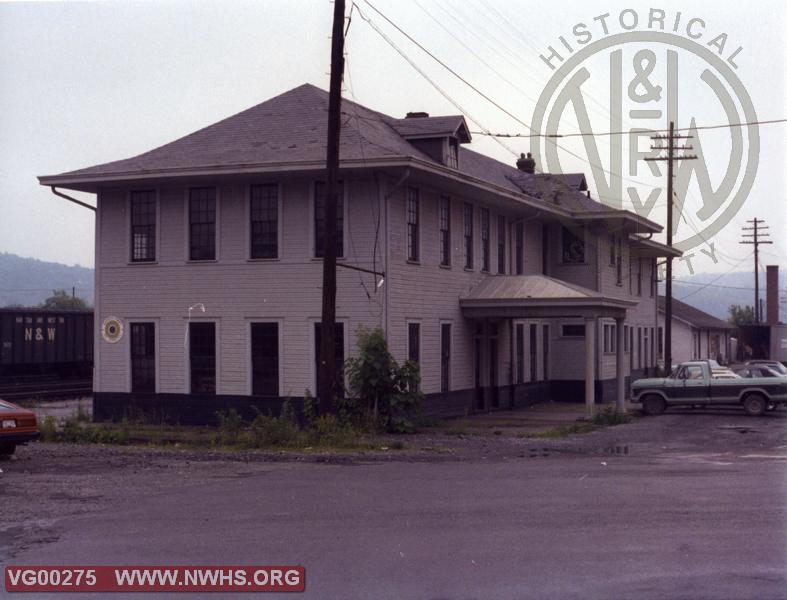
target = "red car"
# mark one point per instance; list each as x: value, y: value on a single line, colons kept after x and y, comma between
x: 17, y: 426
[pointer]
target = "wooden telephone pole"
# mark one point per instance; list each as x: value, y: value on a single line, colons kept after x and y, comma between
x: 670, y: 159
x: 758, y: 229
x: 326, y: 377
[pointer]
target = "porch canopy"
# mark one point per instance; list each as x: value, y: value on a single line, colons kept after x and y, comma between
x: 542, y: 297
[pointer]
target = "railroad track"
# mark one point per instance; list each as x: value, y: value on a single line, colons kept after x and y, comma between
x: 45, y: 389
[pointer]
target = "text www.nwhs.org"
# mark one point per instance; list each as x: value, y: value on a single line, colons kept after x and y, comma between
x: 132, y: 578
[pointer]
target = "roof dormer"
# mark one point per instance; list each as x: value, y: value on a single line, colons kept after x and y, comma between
x: 437, y: 137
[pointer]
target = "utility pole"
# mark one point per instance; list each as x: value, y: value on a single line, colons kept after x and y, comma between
x: 326, y: 377
x: 758, y: 229
x: 670, y: 160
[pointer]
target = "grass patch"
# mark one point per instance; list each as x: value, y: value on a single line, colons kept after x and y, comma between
x: 264, y: 432
x: 604, y: 418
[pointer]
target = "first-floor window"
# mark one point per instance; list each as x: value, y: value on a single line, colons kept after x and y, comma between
x: 338, y: 351
x: 414, y: 342
x: 661, y: 341
x: 143, y: 357
x: 265, y: 359
x: 445, y: 357
x: 202, y: 354
x: 573, y: 330
x: 520, y: 353
x: 639, y: 347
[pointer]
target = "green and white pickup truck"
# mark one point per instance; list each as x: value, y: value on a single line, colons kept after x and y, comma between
x: 692, y: 384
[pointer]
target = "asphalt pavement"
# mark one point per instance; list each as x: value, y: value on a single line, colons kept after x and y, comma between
x: 695, y: 508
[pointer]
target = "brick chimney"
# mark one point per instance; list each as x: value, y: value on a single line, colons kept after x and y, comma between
x: 772, y: 294
x: 526, y: 164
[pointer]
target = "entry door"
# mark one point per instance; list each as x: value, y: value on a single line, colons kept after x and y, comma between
x: 479, y: 390
x: 493, y: 371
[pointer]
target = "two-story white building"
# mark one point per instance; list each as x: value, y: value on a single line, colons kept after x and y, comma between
x: 506, y: 286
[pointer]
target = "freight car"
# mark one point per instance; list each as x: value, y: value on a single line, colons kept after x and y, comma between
x: 38, y: 341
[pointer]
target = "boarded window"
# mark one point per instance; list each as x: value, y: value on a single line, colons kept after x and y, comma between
x: 414, y: 342
x: 202, y: 354
x: 265, y: 359
x: 532, y: 352
x: 202, y: 223
x: 143, y: 357
x: 320, y: 192
x: 143, y: 226
x: 545, y: 348
x: 264, y: 225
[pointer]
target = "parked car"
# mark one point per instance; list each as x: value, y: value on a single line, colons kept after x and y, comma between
x: 773, y: 364
x: 758, y: 371
x: 693, y: 384
x: 17, y: 426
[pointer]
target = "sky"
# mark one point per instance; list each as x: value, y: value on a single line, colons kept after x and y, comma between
x: 82, y: 83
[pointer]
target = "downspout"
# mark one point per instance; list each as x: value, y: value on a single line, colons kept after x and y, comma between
x: 70, y: 199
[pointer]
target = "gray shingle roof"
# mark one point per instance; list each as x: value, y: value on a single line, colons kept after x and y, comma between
x: 695, y: 316
x: 291, y: 128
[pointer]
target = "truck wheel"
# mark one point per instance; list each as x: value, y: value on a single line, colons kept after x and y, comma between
x: 653, y: 405
x: 7, y: 449
x: 754, y: 405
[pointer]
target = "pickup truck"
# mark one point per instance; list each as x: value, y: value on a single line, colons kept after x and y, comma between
x: 692, y: 384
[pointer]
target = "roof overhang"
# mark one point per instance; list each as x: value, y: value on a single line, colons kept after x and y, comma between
x: 645, y: 248
x: 538, y: 296
x: 619, y: 220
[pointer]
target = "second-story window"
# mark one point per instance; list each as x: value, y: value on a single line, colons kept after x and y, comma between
x: 202, y: 223
x: 143, y: 226
x: 413, y: 211
x: 501, y: 245
x: 573, y: 247
x: 264, y: 225
x: 619, y: 261
x: 612, y: 249
x: 468, y: 248
x: 485, y: 242
x: 639, y: 277
x: 319, y: 219
x: 445, y: 231
x: 653, y: 277
x: 519, y: 248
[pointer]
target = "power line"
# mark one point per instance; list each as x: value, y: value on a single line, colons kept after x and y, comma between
x: 709, y: 284
x: 610, y: 133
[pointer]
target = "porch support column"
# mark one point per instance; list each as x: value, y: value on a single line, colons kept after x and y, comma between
x: 620, y: 402
x: 590, y: 364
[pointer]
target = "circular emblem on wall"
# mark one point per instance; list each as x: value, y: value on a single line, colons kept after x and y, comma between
x: 112, y: 329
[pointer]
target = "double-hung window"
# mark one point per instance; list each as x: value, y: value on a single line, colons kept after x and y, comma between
x: 202, y: 223
x: 264, y: 221
x: 485, y: 241
x: 320, y: 193
x: 468, y: 247
x: 501, y: 245
x: 445, y: 231
x: 143, y: 226
x: 413, y: 215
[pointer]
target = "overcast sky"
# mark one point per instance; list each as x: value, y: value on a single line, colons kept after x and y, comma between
x: 86, y: 83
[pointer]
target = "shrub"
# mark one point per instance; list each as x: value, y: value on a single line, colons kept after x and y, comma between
x: 230, y: 425
x: 382, y: 392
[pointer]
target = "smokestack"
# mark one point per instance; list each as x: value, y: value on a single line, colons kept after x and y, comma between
x: 526, y: 164
x: 772, y: 294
